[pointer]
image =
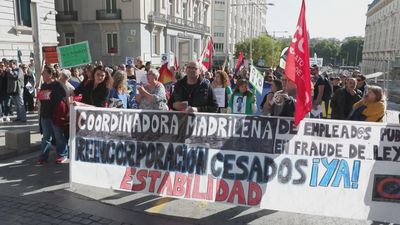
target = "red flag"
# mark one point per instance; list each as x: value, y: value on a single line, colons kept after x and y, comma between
x: 166, y: 75
x: 206, y: 55
x: 298, y: 67
x: 239, y: 63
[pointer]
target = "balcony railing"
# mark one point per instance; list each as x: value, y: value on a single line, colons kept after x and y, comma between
x: 67, y: 16
x: 157, y: 17
x: 105, y: 14
x: 188, y: 24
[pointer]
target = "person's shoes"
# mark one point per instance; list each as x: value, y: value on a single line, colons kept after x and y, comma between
x: 8, y: 119
x: 2, y: 119
x: 61, y: 160
x: 40, y: 162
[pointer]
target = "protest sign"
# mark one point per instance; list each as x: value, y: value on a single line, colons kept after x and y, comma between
x: 256, y: 79
x: 141, y: 77
x: 74, y: 55
x: 50, y: 54
x: 220, y: 94
x: 329, y: 168
x: 129, y: 60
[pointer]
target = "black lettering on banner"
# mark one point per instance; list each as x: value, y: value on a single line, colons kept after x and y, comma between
x: 270, y: 169
x: 298, y: 166
x: 242, y: 163
x: 285, y: 166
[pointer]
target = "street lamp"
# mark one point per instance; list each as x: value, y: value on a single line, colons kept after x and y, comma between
x: 252, y: 4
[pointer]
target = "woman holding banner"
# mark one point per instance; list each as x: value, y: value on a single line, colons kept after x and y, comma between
x: 222, y: 90
x: 96, y: 91
x: 371, y: 108
x: 153, y: 95
x: 242, y: 100
x: 118, y: 97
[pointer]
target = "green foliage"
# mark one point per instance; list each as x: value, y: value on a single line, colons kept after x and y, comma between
x: 264, y: 47
x: 328, y: 49
x: 331, y: 50
x: 351, y: 51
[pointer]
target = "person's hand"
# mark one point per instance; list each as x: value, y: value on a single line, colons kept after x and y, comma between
x: 158, y: 84
x: 140, y: 88
x: 191, y: 109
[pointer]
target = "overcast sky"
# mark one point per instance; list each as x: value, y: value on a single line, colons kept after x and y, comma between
x: 325, y: 18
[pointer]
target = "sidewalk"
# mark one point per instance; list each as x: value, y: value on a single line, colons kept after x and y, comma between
x: 32, y: 125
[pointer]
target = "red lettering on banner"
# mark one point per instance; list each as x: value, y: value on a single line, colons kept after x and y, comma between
x: 189, y: 186
x: 141, y: 178
x: 179, y: 184
x: 210, y: 188
x: 196, y: 188
x: 254, y: 195
x: 237, y: 190
x: 222, y: 191
x: 126, y: 182
x: 154, y: 175
x: 165, y: 183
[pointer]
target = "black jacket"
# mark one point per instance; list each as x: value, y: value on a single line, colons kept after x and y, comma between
x: 342, y: 103
x: 199, y: 95
x: 96, y: 97
x: 55, y: 93
x: 3, y: 84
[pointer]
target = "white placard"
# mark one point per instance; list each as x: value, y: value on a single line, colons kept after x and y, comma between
x: 220, y: 94
x: 141, y: 77
x: 256, y: 79
x: 239, y: 104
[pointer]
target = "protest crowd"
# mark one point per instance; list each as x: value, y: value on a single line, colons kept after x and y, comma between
x: 187, y: 89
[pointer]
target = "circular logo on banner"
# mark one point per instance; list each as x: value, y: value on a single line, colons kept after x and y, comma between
x: 129, y: 62
x: 164, y: 58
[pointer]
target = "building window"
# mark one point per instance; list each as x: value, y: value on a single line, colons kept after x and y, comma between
x: 219, y: 15
x: 68, y: 6
x: 156, y: 43
x: 218, y: 34
x: 184, y: 10
x: 23, y: 8
x: 177, y: 6
x: 219, y: 47
x: 220, y: 2
x: 69, y: 38
x: 171, y: 8
x: 173, y: 44
x: 112, y: 42
x: 111, y: 6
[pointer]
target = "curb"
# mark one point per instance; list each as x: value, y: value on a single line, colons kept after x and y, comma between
x: 7, y: 154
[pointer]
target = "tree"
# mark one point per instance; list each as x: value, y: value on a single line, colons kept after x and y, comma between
x: 351, y: 51
x: 328, y: 49
x: 264, y: 48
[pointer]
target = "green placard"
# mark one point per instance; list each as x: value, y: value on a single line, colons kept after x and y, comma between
x: 74, y: 55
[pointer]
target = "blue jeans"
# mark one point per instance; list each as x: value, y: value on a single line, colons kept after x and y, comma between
x: 48, y: 130
x: 19, y: 104
x: 5, y: 104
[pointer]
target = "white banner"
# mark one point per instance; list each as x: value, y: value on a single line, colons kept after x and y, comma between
x: 325, y: 167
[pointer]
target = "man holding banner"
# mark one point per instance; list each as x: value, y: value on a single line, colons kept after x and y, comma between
x: 193, y: 93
